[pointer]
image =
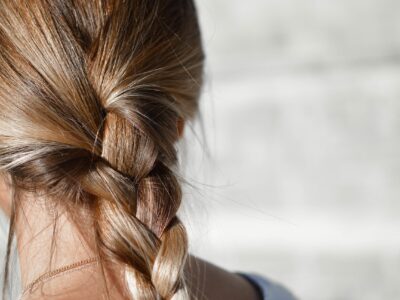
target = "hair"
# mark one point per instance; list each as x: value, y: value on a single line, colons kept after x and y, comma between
x: 90, y: 95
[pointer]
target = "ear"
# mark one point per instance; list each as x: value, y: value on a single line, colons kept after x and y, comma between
x: 180, y: 124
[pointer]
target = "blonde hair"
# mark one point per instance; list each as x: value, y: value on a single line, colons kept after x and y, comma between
x: 90, y: 95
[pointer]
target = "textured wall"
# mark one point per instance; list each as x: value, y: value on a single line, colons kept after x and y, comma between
x: 303, y: 113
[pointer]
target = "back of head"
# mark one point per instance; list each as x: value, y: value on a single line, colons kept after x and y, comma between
x: 90, y: 95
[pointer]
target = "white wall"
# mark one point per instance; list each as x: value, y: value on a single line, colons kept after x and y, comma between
x: 303, y: 114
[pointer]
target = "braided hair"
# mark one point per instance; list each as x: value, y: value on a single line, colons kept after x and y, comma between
x: 90, y: 95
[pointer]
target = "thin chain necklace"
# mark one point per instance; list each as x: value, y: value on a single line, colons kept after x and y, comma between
x: 57, y: 271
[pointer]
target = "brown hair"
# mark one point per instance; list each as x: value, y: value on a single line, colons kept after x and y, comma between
x: 90, y: 95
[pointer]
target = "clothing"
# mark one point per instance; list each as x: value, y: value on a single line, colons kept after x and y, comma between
x: 268, y: 289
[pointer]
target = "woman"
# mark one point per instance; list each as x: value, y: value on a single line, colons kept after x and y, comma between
x: 93, y: 97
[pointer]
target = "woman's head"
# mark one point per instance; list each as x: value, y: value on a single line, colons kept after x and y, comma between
x: 91, y: 94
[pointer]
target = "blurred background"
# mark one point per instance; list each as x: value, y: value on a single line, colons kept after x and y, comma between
x: 301, y: 115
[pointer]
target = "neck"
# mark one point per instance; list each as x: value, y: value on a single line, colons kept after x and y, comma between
x: 38, y: 240
x: 34, y: 233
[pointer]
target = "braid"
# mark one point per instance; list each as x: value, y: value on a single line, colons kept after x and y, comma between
x: 136, y: 221
x: 90, y: 95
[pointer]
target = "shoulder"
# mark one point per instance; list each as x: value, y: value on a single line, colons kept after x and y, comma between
x: 211, y: 282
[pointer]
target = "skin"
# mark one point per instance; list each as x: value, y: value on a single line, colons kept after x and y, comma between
x: 34, y: 234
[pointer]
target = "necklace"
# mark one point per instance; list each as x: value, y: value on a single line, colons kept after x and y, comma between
x: 51, y: 274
